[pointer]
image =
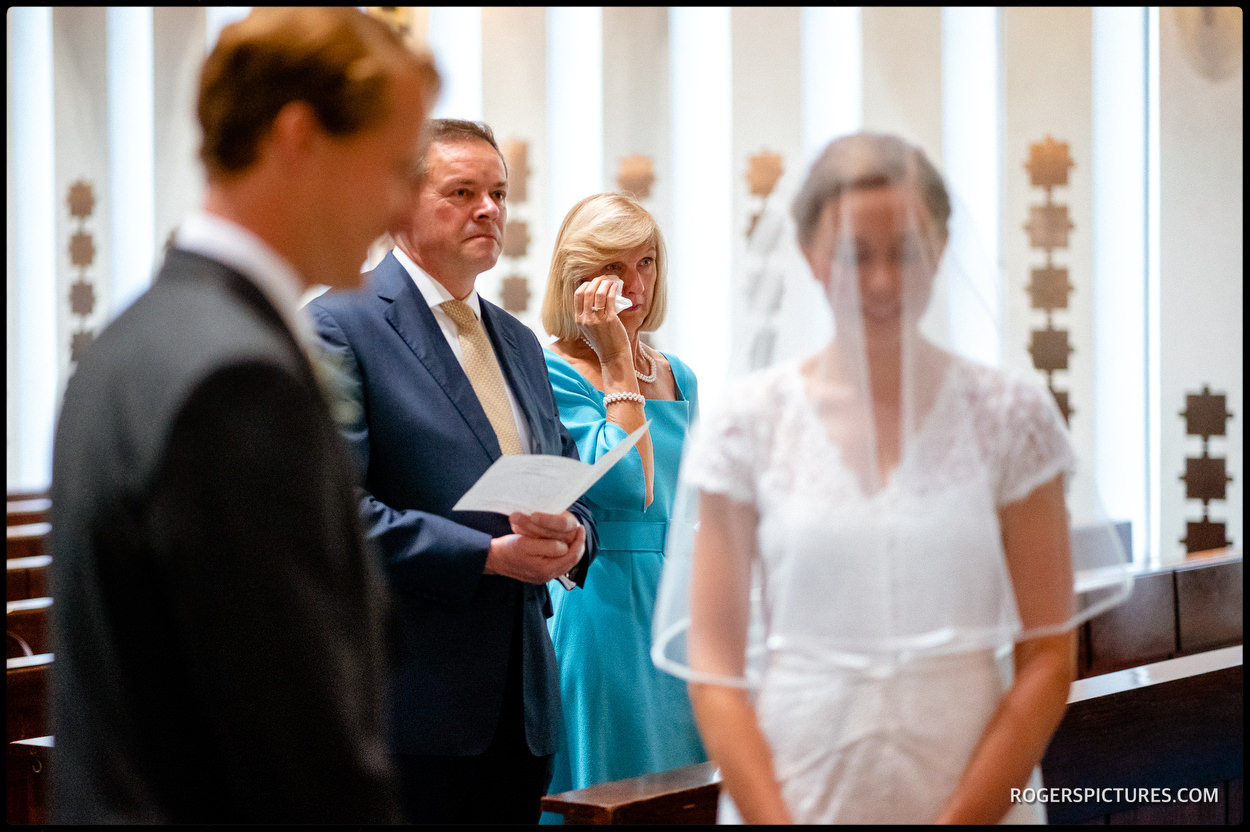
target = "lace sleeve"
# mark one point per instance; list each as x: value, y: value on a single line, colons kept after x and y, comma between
x: 1036, y: 442
x: 721, y: 454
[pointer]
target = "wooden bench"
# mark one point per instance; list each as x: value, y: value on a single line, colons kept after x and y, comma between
x: 28, y: 577
x: 26, y: 696
x: 25, y: 512
x: 28, y: 540
x: 18, y: 496
x: 27, y: 774
x: 1176, y: 610
x: 26, y: 622
x: 680, y: 796
x: 1162, y: 656
x: 1168, y: 725
x: 1174, y: 724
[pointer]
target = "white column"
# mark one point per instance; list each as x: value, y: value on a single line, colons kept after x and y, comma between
x: 700, y: 238
x: 1120, y: 277
x: 833, y: 70
x: 1154, y: 329
x: 972, y: 151
x: 455, y: 38
x: 31, y: 262
x: 574, y: 165
x: 132, y: 224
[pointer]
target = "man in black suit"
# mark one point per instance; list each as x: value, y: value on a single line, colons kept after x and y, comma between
x: 218, y: 621
x: 475, y: 697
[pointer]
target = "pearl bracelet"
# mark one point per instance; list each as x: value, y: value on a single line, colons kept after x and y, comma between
x: 623, y: 397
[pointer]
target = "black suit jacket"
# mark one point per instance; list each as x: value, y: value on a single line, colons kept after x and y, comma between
x: 421, y: 439
x: 217, y: 621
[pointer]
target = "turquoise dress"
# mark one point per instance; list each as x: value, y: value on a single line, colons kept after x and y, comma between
x: 622, y: 716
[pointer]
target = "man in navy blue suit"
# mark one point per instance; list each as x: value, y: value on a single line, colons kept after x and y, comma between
x: 474, y: 710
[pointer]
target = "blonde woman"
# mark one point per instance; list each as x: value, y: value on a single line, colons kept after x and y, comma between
x: 622, y: 716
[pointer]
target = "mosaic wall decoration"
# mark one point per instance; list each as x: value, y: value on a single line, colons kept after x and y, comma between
x: 82, y: 251
x: 1049, y: 287
x: 1205, y: 477
x: 514, y: 291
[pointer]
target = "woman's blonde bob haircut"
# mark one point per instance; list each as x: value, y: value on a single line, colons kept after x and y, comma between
x: 597, y: 231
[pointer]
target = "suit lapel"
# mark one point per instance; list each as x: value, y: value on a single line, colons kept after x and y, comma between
x: 411, y: 318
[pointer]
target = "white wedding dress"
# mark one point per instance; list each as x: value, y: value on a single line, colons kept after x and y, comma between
x: 887, y: 617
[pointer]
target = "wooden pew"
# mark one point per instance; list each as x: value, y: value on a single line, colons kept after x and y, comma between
x: 27, y: 773
x: 1173, y: 724
x: 26, y: 621
x: 1156, y: 658
x: 680, y: 796
x: 26, y: 696
x: 28, y: 540
x: 1176, y: 610
x: 25, y: 512
x: 18, y: 496
x: 28, y: 577
x: 1168, y: 725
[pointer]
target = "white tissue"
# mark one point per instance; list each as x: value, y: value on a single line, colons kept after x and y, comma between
x: 622, y: 302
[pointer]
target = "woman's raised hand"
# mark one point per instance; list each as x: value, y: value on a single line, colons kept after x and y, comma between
x: 597, y: 312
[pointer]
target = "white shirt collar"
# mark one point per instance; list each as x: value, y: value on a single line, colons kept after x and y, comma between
x: 228, y: 242
x: 434, y: 292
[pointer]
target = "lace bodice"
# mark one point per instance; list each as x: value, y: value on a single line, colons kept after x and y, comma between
x: 915, y: 566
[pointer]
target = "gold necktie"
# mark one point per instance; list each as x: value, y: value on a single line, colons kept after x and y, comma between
x: 482, y: 368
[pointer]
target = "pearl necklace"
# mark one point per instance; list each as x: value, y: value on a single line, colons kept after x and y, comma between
x: 642, y: 351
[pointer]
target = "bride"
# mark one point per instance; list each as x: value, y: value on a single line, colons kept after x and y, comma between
x: 876, y: 608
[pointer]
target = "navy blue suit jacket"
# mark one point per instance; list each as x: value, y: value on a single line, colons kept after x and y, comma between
x: 421, y: 439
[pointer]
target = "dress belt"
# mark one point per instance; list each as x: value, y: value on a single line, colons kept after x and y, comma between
x: 631, y: 536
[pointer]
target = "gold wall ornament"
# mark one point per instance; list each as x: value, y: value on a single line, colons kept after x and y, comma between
x: 1049, y: 288
x: 1050, y: 350
x: 82, y: 250
x: 80, y: 201
x: 1206, y: 415
x: 516, y: 238
x: 515, y: 294
x: 764, y: 169
x: 1049, y: 163
x: 82, y: 298
x: 1210, y: 39
x: 79, y: 341
x: 1048, y: 228
x: 398, y: 18
x: 635, y: 176
x: 514, y: 290
x: 763, y: 275
x: 516, y: 155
